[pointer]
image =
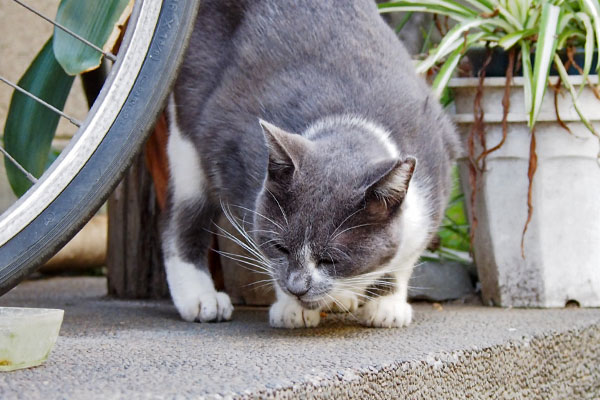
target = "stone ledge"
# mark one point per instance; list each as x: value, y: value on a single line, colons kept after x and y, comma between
x: 140, y: 350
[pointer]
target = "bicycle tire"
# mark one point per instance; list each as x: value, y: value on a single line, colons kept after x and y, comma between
x: 27, y: 241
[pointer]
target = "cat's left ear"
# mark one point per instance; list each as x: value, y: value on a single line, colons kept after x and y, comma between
x: 390, y: 185
x: 285, y: 150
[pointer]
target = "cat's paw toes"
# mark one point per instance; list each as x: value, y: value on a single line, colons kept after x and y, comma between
x: 287, y: 313
x: 206, y: 307
x: 344, y: 302
x: 386, y: 312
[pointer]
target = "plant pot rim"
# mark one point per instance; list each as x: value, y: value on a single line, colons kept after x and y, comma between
x: 500, y: 81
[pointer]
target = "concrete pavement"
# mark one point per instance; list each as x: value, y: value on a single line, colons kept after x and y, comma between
x: 111, y: 349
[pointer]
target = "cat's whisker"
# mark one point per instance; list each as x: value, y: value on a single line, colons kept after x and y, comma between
x: 247, y: 245
x: 280, y: 208
x: 260, y: 215
x: 261, y: 283
x: 342, y: 223
x: 233, y: 257
x: 337, y: 302
x: 257, y: 268
x: 243, y: 245
x: 349, y: 229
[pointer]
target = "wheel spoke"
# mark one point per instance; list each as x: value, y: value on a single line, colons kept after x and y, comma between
x: 28, y: 175
x: 50, y: 106
x: 107, y: 54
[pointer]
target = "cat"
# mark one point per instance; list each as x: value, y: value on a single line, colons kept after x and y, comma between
x: 305, y: 123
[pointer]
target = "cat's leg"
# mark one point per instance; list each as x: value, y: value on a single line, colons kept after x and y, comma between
x: 287, y: 312
x: 186, y: 234
x: 391, y: 310
x: 186, y: 243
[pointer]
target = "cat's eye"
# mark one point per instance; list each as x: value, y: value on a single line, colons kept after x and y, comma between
x: 326, y: 261
x: 281, y: 249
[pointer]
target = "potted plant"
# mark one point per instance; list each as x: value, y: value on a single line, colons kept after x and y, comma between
x: 531, y: 167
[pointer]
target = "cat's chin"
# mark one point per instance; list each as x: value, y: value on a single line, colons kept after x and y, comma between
x: 310, y: 304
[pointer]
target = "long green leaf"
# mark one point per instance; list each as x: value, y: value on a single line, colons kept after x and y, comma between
x: 93, y: 20
x: 449, y: 5
x: 544, y: 52
x: 592, y: 8
x: 441, y: 80
x: 482, y: 5
x: 589, y: 46
x: 30, y: 126
x: 510, y: 18
x: 511, y: 39
x: 450, y: 42
x: 565, y: 80
x: 527, y: 76
x: 446, y: 71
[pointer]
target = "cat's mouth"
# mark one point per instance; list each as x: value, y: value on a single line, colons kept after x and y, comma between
x: 310, y: 304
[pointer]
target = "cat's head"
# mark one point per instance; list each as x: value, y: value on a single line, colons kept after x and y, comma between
x: 330, y: 207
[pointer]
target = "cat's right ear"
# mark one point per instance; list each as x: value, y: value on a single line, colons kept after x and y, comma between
x: 285, y: 151
x: 388, y: 185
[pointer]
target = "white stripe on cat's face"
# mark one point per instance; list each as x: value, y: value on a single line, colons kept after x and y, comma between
x: 311, y: 266
x: 187, y: 177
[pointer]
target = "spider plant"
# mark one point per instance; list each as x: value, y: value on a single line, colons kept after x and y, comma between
x: 524, y: 26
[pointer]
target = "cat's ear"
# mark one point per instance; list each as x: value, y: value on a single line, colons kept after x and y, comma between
x: 285, y: 150
x: 388, y: 185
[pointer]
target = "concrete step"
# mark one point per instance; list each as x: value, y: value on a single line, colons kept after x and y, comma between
x: 112, y: 349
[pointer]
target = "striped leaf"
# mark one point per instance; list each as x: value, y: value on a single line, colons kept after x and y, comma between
x: 592, y: 8
x: 565, y: 81
x: 546, y: 46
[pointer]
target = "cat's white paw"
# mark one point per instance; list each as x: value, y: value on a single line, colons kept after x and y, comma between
x: 345, y: 301
x: 287, y: 313
x: 194, y: 294
x: 209, y: 306
x: 386, y: 312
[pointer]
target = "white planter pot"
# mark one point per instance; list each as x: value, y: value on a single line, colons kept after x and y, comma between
x: 562, y: 243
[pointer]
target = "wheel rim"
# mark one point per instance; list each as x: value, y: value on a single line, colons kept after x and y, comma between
x: 97, y: 123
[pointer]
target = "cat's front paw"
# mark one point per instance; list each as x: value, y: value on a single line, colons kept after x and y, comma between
x: 344, y: 302
x: 287, y: 313
x: 209, y: 306
x: 386, y: 312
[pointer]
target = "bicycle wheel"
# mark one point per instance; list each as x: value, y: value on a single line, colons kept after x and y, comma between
x: 79, y: 181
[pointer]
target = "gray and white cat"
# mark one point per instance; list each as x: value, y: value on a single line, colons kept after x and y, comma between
x: 305, y: 120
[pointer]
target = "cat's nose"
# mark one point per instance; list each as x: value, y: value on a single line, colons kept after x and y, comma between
x: 298, y: 284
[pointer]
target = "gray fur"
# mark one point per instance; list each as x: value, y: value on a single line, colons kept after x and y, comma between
x: 292, y: 63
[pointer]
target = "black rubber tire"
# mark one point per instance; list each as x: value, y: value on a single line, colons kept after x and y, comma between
x: 67, y: 214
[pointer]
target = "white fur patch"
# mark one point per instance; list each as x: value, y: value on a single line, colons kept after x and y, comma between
x: 382, y: 135
x: 310, y: 264
x: 386, y: 312
x: 187, y: 178
x: 288, y: 313
x: 193, y: 293
x: 344, y: 301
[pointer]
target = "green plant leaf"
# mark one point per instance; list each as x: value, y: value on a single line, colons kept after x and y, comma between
x: 545, y: 48
x: 445, y: 73
x: 565, y: 81
x: 444, y: 7
x: 511, y: 39
x: 96, y: 21
x: 449, y: 43
x: 592, y: 8
x: 30, y: 126
x: 589, y: 46
x: 527, y: 76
